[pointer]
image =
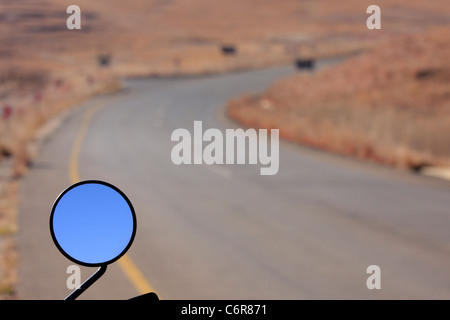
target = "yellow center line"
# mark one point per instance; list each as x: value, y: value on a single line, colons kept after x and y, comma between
x: 127, y: 265
x: 74, y: 158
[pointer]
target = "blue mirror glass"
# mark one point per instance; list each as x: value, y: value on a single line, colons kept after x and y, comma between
x: 93, y: 223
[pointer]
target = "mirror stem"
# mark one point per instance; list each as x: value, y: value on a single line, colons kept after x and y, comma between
x: 87, y: 283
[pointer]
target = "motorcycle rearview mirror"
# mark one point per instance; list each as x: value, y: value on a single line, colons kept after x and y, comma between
x: 93, y: 224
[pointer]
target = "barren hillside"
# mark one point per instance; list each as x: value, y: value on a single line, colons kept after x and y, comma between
x: 391, y: 105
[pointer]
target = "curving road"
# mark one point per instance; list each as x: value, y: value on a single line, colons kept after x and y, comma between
x: 226, y: 232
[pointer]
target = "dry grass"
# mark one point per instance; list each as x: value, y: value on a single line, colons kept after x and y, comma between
x: 8, y: 227
x: 391, y: 105
x: 34, y: 102
x: 8, y: 266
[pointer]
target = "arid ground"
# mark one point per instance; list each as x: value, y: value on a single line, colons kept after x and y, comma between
x: 389, y: 105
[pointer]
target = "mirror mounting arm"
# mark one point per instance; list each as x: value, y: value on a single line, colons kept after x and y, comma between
x: 87, y: 283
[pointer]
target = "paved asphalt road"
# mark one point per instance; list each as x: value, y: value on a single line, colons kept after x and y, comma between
x: 226, y: 232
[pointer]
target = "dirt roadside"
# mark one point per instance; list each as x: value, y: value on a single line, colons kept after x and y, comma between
x: 390, y: 105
